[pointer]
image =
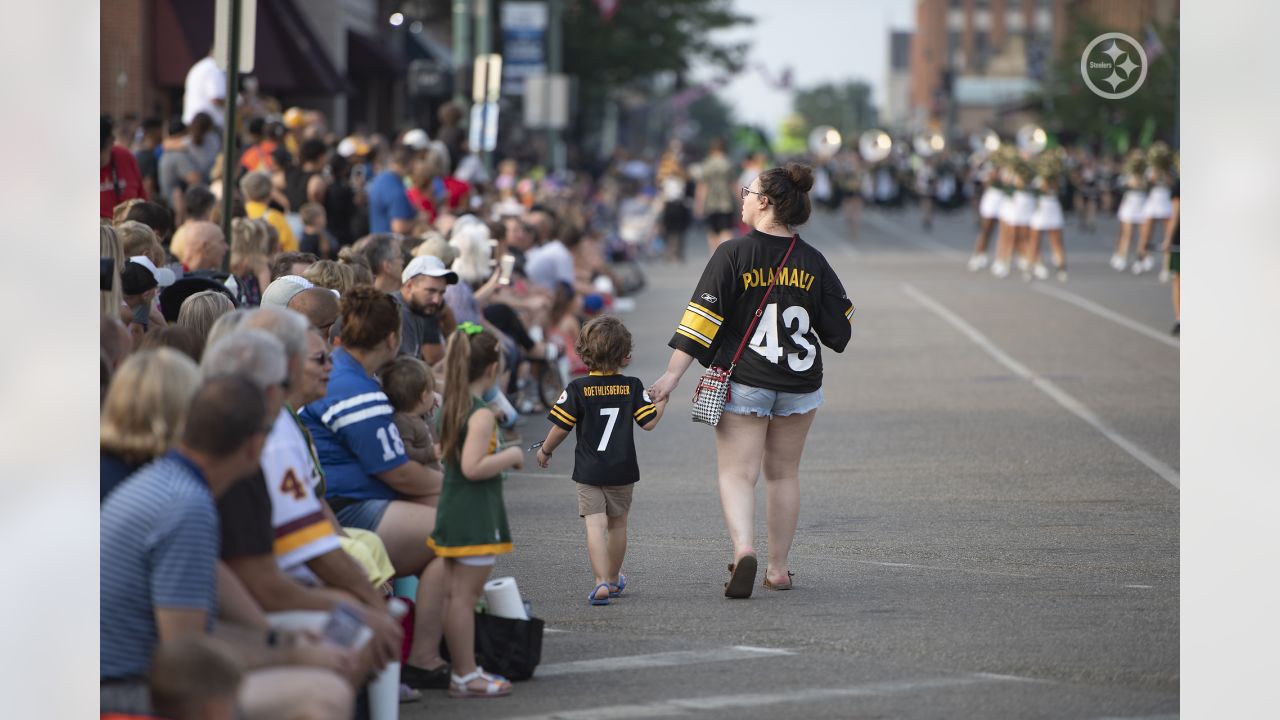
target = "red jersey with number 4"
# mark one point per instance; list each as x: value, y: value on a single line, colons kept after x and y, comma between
x: 807, y: 306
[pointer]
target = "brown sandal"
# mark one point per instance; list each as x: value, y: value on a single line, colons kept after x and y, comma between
x: 742, y: 577
x: 770, y: 585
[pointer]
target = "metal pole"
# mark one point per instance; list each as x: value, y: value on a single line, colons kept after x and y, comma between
x: 461, y: 50
x: 483, y: 49
x: 230, y: 158
x: 555, y: 64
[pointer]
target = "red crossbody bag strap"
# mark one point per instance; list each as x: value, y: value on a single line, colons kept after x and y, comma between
x: 760, y: 310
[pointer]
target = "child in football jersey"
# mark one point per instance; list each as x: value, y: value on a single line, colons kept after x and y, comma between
x: 596, y: 407
x: 410, y: 387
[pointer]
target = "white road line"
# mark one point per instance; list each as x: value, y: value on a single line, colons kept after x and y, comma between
x: 1101, y: 311
x: 1047, y: 387
x: 680, y: 707
x: 665, y: 659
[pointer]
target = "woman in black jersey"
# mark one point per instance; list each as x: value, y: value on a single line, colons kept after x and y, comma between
x: 776, y: 387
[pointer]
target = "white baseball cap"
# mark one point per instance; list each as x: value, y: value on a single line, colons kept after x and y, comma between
x: 417, y: 139
x: 164, y: 276
x: 428, y: 265
x: 282, y: 289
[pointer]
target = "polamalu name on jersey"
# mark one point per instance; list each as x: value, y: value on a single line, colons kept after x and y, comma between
x: 807, y: 307
x: 600, y: 409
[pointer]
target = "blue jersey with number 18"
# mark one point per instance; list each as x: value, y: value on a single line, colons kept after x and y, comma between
x: 354, y: 433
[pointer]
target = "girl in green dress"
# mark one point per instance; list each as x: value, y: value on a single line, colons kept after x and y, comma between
x: 471, y: 528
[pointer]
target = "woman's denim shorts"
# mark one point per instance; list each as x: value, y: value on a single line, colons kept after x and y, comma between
x: 747, y: 400
x: 363, y: 514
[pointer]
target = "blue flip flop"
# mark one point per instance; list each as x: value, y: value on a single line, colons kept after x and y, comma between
x: 598, y: 601
x: 616, y: 590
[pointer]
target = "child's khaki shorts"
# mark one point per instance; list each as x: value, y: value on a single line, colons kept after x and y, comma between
x: 613, y: 500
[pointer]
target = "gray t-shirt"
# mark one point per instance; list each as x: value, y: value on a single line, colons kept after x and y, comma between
x: 175, y: 166
x: 416, y: 329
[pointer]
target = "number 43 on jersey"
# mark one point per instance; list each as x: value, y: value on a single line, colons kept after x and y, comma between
x: 795, y: 323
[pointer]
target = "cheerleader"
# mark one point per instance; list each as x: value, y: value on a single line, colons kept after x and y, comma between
x: 1006, y: 234
x: 1086, y: 180
x: 988, y: 211
x: 1158, y: 207
x: 1132, y: 207
x: 1047, y: 217
x: 1024, y: 206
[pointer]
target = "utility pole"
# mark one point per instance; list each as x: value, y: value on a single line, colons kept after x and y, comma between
x: 555, y: 66
x: 230, y: 158
x: 461, y: 50
x: 484, y: 46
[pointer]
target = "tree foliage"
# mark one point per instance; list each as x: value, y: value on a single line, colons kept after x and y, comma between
x: 846, y: 107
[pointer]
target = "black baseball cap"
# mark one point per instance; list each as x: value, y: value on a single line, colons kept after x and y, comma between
x: 136, y: 279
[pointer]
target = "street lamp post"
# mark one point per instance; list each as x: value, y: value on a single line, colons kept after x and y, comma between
x: 229, y: 155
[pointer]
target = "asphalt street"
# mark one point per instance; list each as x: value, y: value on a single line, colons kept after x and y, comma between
x: 989, y: 522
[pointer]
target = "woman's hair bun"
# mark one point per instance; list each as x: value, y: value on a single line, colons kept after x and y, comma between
x: 800, y: 175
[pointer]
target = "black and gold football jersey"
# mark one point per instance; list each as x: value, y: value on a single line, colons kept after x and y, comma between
x: 808, y: 306
x: 600, y: 410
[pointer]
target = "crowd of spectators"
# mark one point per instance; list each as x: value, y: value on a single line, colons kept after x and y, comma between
x: 267, y: 437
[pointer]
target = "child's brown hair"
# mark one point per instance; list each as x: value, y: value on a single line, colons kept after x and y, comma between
x: 466, y: 358
x: 405, y: 380
x: 604, y: 344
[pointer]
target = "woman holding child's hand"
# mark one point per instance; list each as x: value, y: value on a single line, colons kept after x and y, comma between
x: 776, y: 387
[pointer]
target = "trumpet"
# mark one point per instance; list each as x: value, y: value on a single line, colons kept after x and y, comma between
x: 875, y: 145
x: 929, y: 143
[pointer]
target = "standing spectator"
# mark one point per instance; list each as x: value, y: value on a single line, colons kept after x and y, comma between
x: 340, y: 202
x: 332, y: 275
x: 205, y: 91
x: 305, y: 182
x: 389, y: 206
x: 316, y: 238
x: 320, y: 307
x: 143, y: 414
x: 118, y: 177
x: 550, y: 262
x: 291, y: 263
x: 155, y: 216
x: 451, y: 133
x: 148, y: 154
x: 714, y: 196
x: 206, y: 143
x: 200, y: 311
x: 256, y: 187
x: 262, y: 153
x: 159, y: 551
x: 179, y: 168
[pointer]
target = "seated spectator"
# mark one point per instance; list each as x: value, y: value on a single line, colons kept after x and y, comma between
x: 139, y: 287
x: 319, y: 306
x: 332, y: 275
x: 250, y: 269
x: 139, y: 239
x: 382, y: 253
x: 411, y: 390
x: 201, y: 203
x: 421, y: 301
x: 282, y: 289
x: 276, y: 536
x: 155, y: 216
x: 291, y: 263
x: 115, y: 341
x: 174, y: 337
x: 158, y: 559
x: 549, y: 262
x: 109, y: 247
x: 200, y: 311
x: 199, y: 246
x: 256, y: 187
x: 360, y: 272
x: 224, y: 325
x: 316, y: 238
x: 371, y: 484
x: 143, y: 412
x: 195, y: 678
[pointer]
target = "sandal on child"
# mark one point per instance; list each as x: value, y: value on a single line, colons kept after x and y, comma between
x: 616, y: 590
x: 771, y: 585
x: 742, y: 577
x: 495, y: 685
x: 599, y: 601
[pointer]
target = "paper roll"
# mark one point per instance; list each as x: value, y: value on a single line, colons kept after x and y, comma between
x: 502, y: 596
